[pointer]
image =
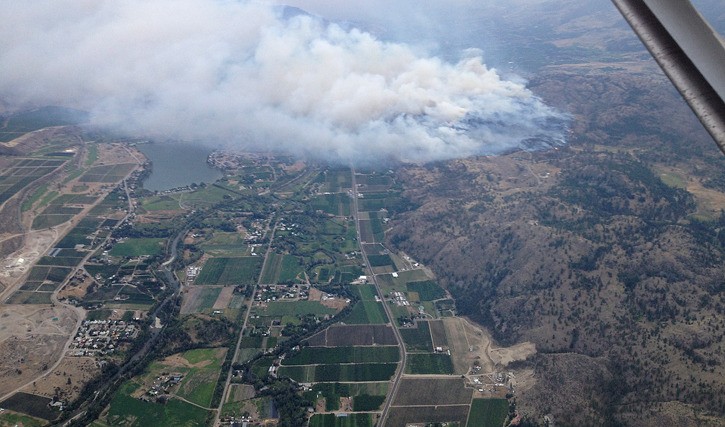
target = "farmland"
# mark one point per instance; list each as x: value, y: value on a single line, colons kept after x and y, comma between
x: 488, y: 413
x: 429, y: 363
x: 354, y: 335
x: 330, y: 355
x: 342, y: 420
x: 426, y: 391
x: 274, y: 247
x: 281, y: 269
x: 418, y: 337
x: 138, y: 247
x: 339, y: 373
x: 130, y: 411
x: 230, y: 271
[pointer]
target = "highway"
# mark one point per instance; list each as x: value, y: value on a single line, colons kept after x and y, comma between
x: 399, y: 372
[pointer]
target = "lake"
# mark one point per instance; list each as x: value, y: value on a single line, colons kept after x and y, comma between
x: 177, y: 165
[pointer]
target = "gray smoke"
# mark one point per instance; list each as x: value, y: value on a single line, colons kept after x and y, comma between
x: 241, y: 73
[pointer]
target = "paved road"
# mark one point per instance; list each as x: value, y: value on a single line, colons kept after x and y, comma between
x: 225, y: 394
x: 398, y: 337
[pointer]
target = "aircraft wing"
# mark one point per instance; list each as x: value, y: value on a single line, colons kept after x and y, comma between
x: 688, y: 50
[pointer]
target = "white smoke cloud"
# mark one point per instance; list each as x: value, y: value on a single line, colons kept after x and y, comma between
x: 239, y: 73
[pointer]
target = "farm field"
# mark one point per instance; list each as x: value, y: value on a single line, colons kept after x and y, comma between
x: 339, y: 373
x: 342, y: 420
x: 160, y: 203
x: 488, y: 413
x: 427, y: 415
x: 11, y: 419
x: 225, y: 244
x: 282, y: 268
x: 367, y: 310
x: 334, y: 180
x: 295, y: 308
x: 126, y: 410
x: 137, y: 247
x: 107, y: 173
x: 427, y: 290
x: 353, y: 335
x: 230, y: 271
x: 366, y: 396
x: 30, y: 404
x: 429, y: 363
x: 334, y: 204
x: 198, y: 385
x: 200, y: 298
x: 417, y: 338
x: 330, y: 355
x: 427, y: 391
x: 399, y: 284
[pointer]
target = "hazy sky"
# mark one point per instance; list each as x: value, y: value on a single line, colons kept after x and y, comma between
x: 238, y: 73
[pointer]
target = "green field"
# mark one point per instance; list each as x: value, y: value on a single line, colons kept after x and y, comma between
x: 366, y: 312
x: 207, y: 298
x: 14, y: 419
x: 369, y: 393
x: 330, y: 355
x: 390, y: 283
x: 282, y: 268
x: 137, y: 247
x: 417, y: 338
x: 366, y: 402
x: 380, y: 260
x: 46, y: 221
x: 24, y: 297
x: 488, y: 413
x: 296, y: 308
x: 338, y: 373
x: 429, y: 363
x: 107, y: 173
x: 160, y: 203
x: 198, y: 385
x: 230, y: 271
x: 334, y: 203
x: 225, y: 244
x: 427, y: 290
x: 346, y: 420
x: 203, y: 196
x: 130, y: 411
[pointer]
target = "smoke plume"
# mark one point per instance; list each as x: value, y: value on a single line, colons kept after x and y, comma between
x: 246, y: 74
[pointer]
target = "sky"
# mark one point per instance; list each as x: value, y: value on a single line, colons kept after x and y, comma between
x: 244, y: 74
